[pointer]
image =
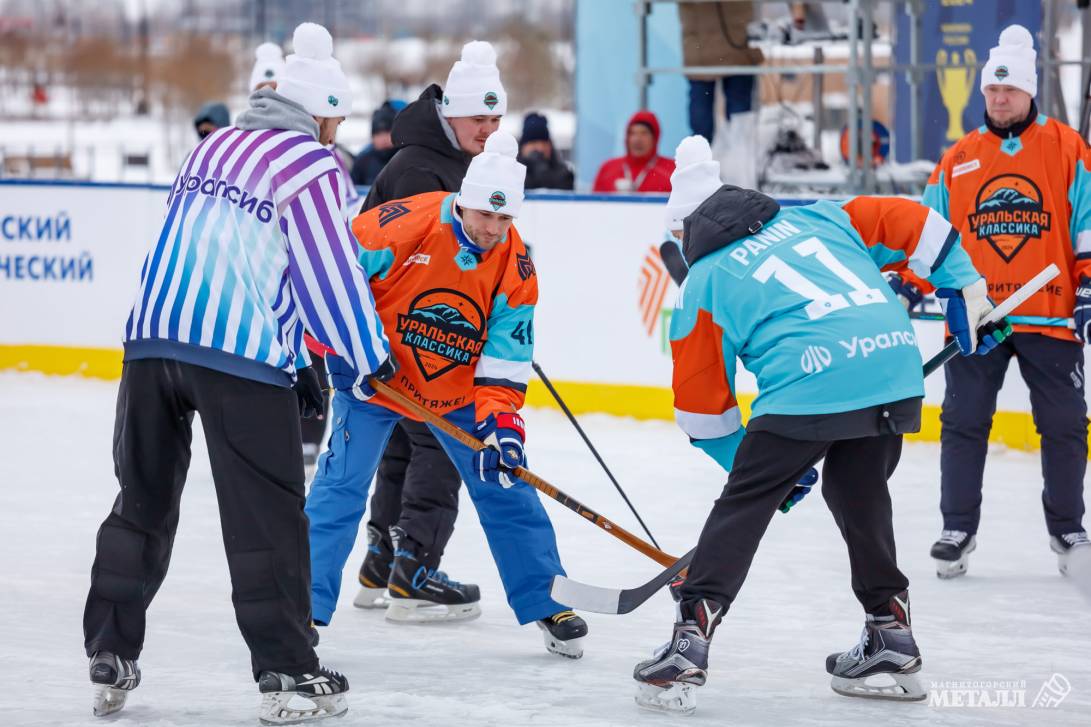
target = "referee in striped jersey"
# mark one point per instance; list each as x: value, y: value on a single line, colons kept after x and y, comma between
x: 252, y: 251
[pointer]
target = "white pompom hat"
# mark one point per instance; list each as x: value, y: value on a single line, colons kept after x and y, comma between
x: 473, y: 85
x: 312, y: 77
x: 1013, y: 62
x: 494, y: 181
x: 268, y: 66
x: 696, y: 177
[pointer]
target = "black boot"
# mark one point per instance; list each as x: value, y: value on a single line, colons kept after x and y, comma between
x: 667, y: 682
x: 563, y: 633
x: 324, y: 689
x: 418, y: 594
x: 375, y: 571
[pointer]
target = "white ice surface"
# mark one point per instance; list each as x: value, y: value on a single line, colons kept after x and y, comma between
x: 1012, y: 618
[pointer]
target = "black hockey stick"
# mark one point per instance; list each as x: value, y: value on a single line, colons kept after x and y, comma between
x: 598, y: 599
x: 576, y: 424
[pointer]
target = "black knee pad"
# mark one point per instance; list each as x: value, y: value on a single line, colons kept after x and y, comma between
x: 119, y: 564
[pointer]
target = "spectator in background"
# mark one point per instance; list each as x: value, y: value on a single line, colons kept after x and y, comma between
x: 714, y: 34
x: 375, y: 155
x: 536, y: 153
x: 268, y: 65
x: 641, y: 169
x: 211, y: 117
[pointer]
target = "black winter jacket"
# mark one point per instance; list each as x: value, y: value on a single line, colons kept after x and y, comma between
x: 426, y: 160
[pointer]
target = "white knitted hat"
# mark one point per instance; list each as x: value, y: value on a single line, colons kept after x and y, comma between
x: 312, y: 77
x: 696, y: 177
x: 494, y: 181
x: 269, y: 65
x: 473, y: 86
x: 1013, y: 62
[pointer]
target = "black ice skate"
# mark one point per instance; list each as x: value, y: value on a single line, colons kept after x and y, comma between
x: 885, y: 663
x: 113, y: 678
x: 1070, y: 547
x: 295, y: 698
x: 375, y: 572
x: 668, y: 681
x: 420, y: 595
x: 563, y: 633
x: 952, y: 553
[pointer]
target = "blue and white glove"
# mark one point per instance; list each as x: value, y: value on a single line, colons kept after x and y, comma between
x: 503, y: 435
x: 965, y: 311
x: 806, y: 482
x: 1082, y: 311
x: 362, y: 390
x: 909, y: 294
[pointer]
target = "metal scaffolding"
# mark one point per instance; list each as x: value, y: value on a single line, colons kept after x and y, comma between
x: 860, y: 72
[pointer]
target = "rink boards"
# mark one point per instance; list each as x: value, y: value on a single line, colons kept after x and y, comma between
x: 71, y: 252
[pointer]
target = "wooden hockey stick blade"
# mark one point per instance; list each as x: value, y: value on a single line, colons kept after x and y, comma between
x: 598, y: 599
x: 1029, y: 288
x: 469, y: 440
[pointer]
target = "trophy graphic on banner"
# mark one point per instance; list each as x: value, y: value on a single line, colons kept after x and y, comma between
x: 956, y: 83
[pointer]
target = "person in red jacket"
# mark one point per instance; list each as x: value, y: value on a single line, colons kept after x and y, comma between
x: 641, y: 169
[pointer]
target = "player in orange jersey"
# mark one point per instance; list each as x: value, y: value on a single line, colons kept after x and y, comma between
x: 455, y: 289
x: 1019, y: 191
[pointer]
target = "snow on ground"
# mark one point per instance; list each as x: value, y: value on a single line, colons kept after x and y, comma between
x: 1012, y: 619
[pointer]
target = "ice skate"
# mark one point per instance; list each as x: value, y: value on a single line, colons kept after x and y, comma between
x: 420, y: 595
x: 375, y: 571
x: 113, y: 679
x: 563, y: 633
x: 295, y: 698
x: 1070, y: 547
x: 884, y: 664
x: 952, y: 553
x: 668, y: 681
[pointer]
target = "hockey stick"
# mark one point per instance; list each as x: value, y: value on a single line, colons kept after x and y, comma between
x: 1029, y: 288
x: 576, y: 424
x: 526, y: 475
x: 599, y: 599
x: 1069, y: 323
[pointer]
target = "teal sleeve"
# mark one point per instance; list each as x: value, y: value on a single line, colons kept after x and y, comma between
x: 937, y: 197
x: 1079, y: 197
x: 722, y: 449
x: 376, y: 262
x: 956, y: 271
x: 506, y: 357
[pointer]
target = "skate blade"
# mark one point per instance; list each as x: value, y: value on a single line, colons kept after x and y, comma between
x: 1077, y: 567
x: 371, y: 598
x: 678, y: 698
x: 947, y: 569
x: 571, y: 649
x: 419, y: 611
x: 892, y: 686
x: 279, y: 708
x: 108, y: 700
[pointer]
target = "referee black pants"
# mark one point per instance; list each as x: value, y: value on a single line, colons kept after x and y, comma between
x: 252, y: 431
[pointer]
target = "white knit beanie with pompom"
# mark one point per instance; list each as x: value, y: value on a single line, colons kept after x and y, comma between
x: 312, y: 77
x: 268, y: 66
x: 696, y: 177
x: 473, y: 86
x: 1013, y: 62
x: 494, y: 181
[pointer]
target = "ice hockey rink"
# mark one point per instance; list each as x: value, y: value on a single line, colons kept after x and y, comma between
x: 996, y: 636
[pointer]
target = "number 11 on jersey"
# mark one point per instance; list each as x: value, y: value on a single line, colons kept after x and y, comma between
x: 822, y: 302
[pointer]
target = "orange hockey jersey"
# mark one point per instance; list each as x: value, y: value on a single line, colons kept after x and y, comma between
x: 1021, y: 203
x: 461, y: 326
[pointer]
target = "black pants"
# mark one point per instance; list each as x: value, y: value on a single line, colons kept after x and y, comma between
x: 1053, y: 372
x: 314, y: 429
x: 416, y: 488
x: 252, y: 431
x: 767, y: 466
